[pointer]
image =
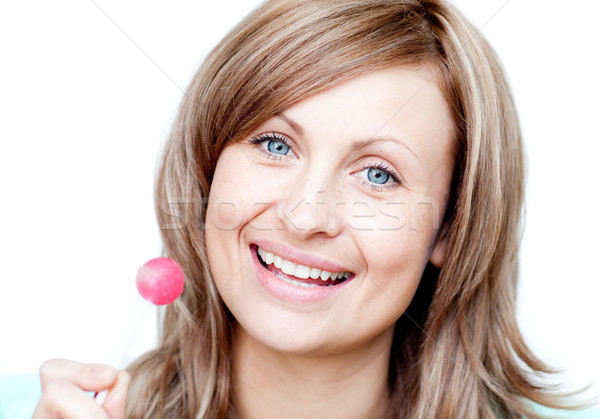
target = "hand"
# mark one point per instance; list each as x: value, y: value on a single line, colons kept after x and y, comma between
x: 64, y: 386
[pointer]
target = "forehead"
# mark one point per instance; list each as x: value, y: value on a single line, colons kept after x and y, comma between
x: 403, y: 103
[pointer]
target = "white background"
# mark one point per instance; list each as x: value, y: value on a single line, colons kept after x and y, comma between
x: 88, y: 91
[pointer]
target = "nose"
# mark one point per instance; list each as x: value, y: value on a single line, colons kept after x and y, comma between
x: 311, y: 206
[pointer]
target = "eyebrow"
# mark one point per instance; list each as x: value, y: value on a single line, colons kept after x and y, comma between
x: 357, y: 145
x: 293, y: 124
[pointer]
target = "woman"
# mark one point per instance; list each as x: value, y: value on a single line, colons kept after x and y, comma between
x: 372, y: 146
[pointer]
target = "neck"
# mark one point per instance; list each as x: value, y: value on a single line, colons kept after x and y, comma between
x: 272, y: 384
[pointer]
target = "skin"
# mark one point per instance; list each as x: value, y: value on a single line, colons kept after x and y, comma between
x: 307, y: 357
x: 64, y: 385
x: 301, y: 359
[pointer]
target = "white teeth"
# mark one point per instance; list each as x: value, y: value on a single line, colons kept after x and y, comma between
x: 288, y: 267
x: 297, y: 283
x: 270, y: 257
x: 299, y: 271
x: 302, y: 271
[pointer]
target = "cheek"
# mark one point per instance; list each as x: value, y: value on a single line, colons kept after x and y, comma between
x: 363, y: 216
x: 396, y: 250
x: 223, y: 215
x: 393, y: 274
x: 235, y: 202
x: 231, y: 192
x: 390, y: 221
x: 399, y: 254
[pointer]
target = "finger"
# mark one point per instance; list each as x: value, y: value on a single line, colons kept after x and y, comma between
x: 90, y: 377
x: 116, y: 399
x: 63, y: 399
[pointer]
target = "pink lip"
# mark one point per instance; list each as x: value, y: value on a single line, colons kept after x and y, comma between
x: 300, y: 258
x: 292, y: 293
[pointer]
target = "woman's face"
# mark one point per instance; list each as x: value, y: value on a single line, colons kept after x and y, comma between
x: 350, y: 184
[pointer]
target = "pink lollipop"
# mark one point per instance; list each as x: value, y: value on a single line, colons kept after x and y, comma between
x: 160, y: 281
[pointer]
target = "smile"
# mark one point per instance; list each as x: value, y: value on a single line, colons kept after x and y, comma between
x: 299, y: 275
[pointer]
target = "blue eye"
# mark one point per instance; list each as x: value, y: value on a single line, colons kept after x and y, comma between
x: 377, y: 176
x: 278, y: 147
x: 274, y: 145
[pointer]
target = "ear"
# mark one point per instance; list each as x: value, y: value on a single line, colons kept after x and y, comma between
x: 438, y: 254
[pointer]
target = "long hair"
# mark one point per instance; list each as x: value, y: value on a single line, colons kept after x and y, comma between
x: 457, y: 351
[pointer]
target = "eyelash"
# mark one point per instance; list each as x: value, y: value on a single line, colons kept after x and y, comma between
x: 258, y: 139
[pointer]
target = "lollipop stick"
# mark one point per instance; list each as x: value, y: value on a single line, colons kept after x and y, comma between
x: 159, y: 281
x: 121, y: 358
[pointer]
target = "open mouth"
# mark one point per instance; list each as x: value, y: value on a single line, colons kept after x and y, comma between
x: 299, y: 275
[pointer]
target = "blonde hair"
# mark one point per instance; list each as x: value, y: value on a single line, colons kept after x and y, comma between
x: 457, y: 351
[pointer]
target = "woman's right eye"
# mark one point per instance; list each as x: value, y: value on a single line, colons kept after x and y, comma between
x: 274, y: 145
x: 277, y: 147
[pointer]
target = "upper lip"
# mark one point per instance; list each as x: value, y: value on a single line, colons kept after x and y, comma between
x: 299, y: 257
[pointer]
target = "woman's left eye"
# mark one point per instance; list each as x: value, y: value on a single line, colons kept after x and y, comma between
x: 274, y: 145
x: 379, y: 177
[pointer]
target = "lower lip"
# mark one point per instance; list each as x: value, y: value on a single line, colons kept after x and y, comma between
x: 288, y: 292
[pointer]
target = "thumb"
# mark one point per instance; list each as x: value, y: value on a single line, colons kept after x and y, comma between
x: 116, y: 399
